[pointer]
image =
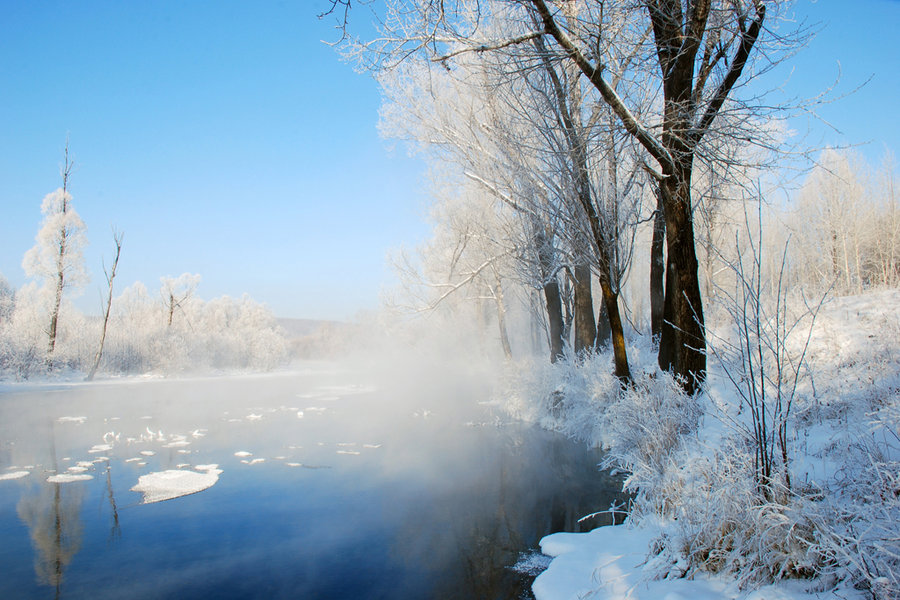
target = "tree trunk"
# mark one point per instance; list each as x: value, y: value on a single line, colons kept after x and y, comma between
x: 585, y: 327
x: 501, y: 317
x: 657, y: 270
x: 682, y: 345
x: 611, y: 301
x: 604, y: 330
x: 554, y: 318
x: 550, y: 284
x: 109, y: 279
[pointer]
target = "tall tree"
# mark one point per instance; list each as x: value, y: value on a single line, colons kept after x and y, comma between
x: 57, y: 254
x: 110, y: 277
x: 701, y: 50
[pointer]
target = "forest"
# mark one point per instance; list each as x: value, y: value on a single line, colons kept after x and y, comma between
x: 626, y: 225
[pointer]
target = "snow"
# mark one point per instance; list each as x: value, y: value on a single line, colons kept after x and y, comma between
x: 166, y: 485
x: 611, y: 563
x: 13, y: 475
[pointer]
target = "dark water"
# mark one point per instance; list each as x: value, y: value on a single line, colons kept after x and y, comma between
x: 397, y: 491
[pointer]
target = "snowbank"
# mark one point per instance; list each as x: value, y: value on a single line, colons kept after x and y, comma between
x: 611, y: 563
x: 166, y: 485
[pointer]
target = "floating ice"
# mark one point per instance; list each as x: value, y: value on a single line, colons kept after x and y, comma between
x: 372, y: 446
x: 100, y: 448
x: 77, y: 469
x: 254, y: 461
x: 78, y: 420
x: 148, y: 452
x: 253, y: 417
x: 177, y: 444
x: 166, y: 485
x: 242, y: 453
x: 351, y: 452
x: 68, y: 478
x: 13, y: 475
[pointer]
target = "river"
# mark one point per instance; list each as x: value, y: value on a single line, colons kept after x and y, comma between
x: 321, y: 483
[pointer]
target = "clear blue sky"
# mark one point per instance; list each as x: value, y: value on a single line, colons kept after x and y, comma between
x: 224, y: 138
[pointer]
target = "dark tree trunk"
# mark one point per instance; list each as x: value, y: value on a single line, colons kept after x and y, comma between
x: 604, y: 330
x: 682, y: 345
x: 657, y: 270
x: 554, y: 318
x: 585, y: 327
x: 550, y: 284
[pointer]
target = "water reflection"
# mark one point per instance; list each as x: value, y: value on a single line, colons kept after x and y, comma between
x: 51, y: 512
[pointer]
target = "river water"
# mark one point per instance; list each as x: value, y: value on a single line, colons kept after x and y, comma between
x: 331, y: 485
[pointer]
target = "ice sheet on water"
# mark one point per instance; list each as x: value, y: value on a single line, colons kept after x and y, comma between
x: 167, y: 485
x: 68, y: 478
x: 13, y: 475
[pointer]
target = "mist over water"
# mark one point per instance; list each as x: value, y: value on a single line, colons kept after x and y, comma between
x: 335, y: 482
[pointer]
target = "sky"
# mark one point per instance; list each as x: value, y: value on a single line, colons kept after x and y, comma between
x: 227, y: 139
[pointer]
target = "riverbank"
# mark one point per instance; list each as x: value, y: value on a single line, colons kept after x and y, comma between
x: 700, y: 526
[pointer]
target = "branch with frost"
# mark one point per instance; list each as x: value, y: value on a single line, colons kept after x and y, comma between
x: 489, y: 47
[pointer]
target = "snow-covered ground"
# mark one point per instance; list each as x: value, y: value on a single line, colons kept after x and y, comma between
x: 699, y: 529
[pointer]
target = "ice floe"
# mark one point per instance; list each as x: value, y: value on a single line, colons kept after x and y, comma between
x: 243, y: 453
x: 68, y: 477
x: 78, y: 420
x: 166, y: 485
x: 13, y: 475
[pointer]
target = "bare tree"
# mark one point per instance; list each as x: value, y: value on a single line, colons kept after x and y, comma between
x: 110, y: 277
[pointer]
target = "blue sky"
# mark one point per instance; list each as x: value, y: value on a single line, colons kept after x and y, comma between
x: 225, y: 139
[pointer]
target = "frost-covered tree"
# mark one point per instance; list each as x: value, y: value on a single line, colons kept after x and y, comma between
x: 177, y: 292
x: 695, y: 53
x: 56, y: 258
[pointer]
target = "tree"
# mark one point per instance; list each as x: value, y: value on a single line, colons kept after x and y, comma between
x: 110, y: 277
x: 57, y: 254
x: 176, y: 292
x: 699, y: 52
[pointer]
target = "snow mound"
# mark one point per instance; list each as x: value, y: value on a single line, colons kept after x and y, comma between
x: 166, y: 485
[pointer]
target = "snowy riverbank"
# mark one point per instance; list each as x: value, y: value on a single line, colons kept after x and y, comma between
x: 700, y: 526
